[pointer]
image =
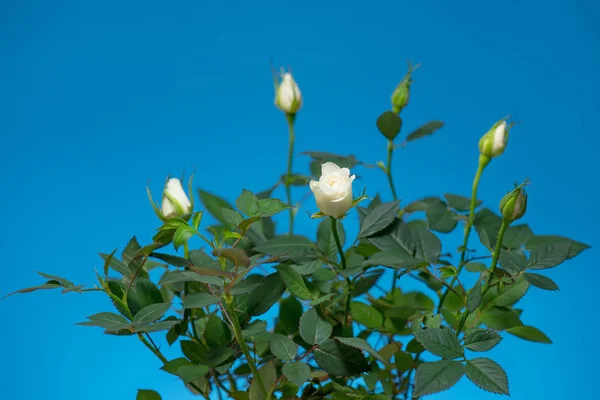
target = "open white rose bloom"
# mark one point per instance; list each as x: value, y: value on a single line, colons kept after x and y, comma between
x: 333, y: 191
x: 174, y: 193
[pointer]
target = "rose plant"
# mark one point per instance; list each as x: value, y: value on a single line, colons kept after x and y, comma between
x: 335, y: 332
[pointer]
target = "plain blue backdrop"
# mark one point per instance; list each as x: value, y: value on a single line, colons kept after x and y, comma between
x: 99, y: 97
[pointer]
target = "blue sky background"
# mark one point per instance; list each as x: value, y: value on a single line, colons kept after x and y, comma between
x: 99, y: 97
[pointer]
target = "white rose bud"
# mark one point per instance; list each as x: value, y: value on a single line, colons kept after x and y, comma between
x: 493, y: 143
x: 175, y: 201
x: 333, y: 191
x: 288, y: 97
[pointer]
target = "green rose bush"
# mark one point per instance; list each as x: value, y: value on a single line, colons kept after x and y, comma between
x: 259, y: 313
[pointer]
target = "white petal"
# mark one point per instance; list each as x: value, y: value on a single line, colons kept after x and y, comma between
x: 314, y: 186
x: 346, y: 172
x: 329, y: 168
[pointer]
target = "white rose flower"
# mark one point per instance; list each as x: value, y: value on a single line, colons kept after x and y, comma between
x: 493, y: 143
x: 288, y: 97
x: 333, y: 191
x: 175, y: 201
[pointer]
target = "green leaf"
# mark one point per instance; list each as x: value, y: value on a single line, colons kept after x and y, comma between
x: 389, y: 124
x: 260, y: 300
x: 151, y: 313
x: 290, y: 311
x: 244, y: 287
x: 294, y: 282
x: 308, y: 268
x: 540, y: 281
x: 428, y: 245
x: 268, y: 376
x: 141, y: 294
x: 45, y: 286
x: 512, y: 262
x: 326, y: 240
x: 397, y: 238
x: 460, y: 203
x: 214, y: 205
x: 182, y: 235
x: 104, y: 320
x: 144, y: 394
x: 404, y: 361
x: 396, y: 259
x: 254, y: 328
x: 217, y: 333
x: 481, y: 339
x: 247, y: 203
x: 237, y: 256
x: 171, y: 277
x: 297, y: 372
x: 218, y: 357
x: 366, y: 315
x: 366, y: 282
x: 500, y: 318
x: 474, y: 296
x: 434, y: 377
x: 425, y: 130
x: 574, y: 250
x: 510, y: 295
x: 440, y: 218
x: 380, y: 218
x: 529, y: 333
x: 360, y: 344
x: 548, y: 255
x: 313, y: 329
x: 185, y: 369
x: 200, y: 299
x: 283, y: 347
x: 414, y: 346
x: 156, y: 327
x: 475, y: 267
x: 340, y: 360
x: 116, y: 265
x: 517, y: 236
x: 194, y: 351
x: 173, y: 260
x: 132, y: 247
x: 63, y: 281
x: 322, y: 157
x: 270, y: 207
x: 441, y: 342
x: 285, y: 245
x: 488, y: 375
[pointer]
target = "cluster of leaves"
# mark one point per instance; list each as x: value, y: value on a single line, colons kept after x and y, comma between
x: 263, y: 315
x: 330, y: 322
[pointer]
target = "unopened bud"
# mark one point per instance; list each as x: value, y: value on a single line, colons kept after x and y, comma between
x: 514, y: 204
x: 493, y: 143
x: 401, y: 94
x: 288, y: 97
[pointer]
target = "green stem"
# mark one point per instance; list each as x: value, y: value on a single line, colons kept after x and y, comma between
x: 495, y: 257
x: 186, y: 292
x: 336, y: 236
x: 237, y: 332
x: 483, y: 162
x: 388, y: 172
x: 290, y: 120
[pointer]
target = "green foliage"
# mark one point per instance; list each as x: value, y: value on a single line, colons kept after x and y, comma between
x: 488, y: 375
x: 313, y: 329
x: 433, y: 377
x: 343, y: 311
